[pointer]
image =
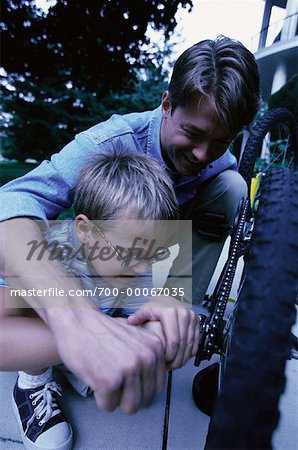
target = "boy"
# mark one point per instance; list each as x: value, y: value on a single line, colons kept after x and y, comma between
x: 124, y: 192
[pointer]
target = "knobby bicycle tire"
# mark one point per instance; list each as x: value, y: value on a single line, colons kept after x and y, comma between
x: 258, y: 133
x: 246, y: 412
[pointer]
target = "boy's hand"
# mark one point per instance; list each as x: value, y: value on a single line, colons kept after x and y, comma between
x: 180, y: 326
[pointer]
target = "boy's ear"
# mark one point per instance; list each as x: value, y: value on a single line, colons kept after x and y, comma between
x: 166, y: 104
x: 83, y: 228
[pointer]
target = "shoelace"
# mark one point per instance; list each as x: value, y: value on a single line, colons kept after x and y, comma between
x: 47, y: 404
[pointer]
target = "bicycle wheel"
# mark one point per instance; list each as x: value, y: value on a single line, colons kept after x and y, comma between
x: 276, y: 136
x: 246, y: 412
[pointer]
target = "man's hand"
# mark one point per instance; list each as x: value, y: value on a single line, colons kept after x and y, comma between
x: 123, y: 365
x: 180, y: 327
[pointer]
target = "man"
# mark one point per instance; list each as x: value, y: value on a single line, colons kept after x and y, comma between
x: 212, y: 95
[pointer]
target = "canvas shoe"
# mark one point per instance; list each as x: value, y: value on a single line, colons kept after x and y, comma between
x: 42, y: 423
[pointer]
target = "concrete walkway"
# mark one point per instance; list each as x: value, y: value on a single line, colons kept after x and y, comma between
x: 95, y: 429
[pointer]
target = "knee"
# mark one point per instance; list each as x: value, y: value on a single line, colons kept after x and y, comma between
x: 225, y: 194
x: 232, y: 186
x: 11, y: 306
x: 230, y: 190
x: 221, y: 196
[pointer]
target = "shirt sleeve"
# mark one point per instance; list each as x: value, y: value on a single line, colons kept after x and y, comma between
x: 48, y: 189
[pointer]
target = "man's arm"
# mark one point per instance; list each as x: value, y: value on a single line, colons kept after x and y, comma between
x: 124, y: 365
x: 46, y: 191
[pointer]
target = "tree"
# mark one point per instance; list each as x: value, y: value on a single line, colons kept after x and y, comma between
x: 286, y: 97
x: 76, y: 65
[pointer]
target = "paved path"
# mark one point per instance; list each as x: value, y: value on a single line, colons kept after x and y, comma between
x: 95, y: 429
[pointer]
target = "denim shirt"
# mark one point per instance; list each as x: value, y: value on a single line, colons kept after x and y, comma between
x: 49, y: 189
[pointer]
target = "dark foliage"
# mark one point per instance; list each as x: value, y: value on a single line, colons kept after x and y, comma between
x: 77, y: 65
x: 286, y: 97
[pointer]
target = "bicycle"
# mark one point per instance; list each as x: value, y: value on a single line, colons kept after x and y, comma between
x: 255, y: 341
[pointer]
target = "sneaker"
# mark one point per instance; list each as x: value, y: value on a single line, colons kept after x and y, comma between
x: 205, y: 388
x: 42, y: 424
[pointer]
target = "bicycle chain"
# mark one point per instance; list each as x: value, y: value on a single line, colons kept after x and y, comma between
x: 212, y: 327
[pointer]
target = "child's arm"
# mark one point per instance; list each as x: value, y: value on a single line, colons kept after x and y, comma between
x: 180, y: 326
x: 121, y: 357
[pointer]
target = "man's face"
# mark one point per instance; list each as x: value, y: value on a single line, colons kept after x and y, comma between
x: 191, y: 137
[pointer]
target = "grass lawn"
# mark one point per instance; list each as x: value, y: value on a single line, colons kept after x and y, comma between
x: 10, y: 170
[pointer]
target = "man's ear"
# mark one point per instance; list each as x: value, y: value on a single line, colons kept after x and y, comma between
x: 166, y: 104
x: 83, y: 228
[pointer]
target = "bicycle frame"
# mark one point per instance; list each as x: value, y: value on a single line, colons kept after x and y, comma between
x: 212, y: 327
